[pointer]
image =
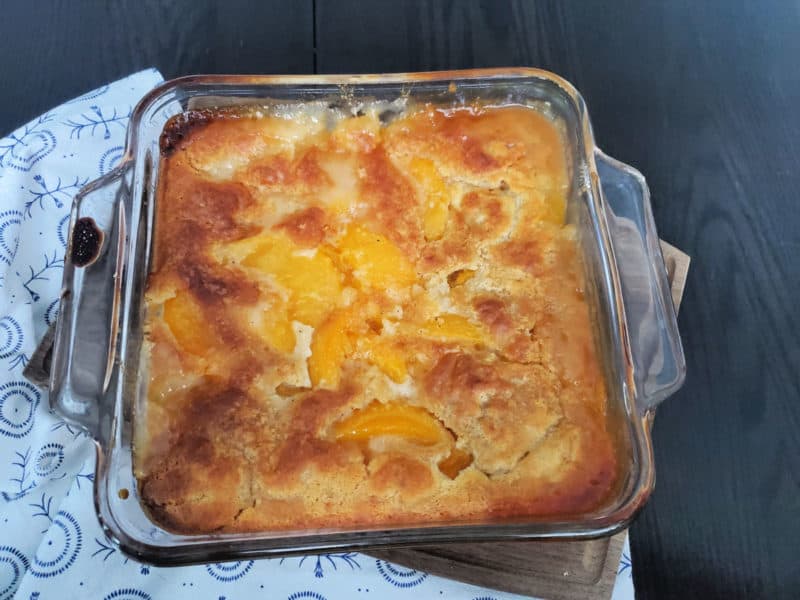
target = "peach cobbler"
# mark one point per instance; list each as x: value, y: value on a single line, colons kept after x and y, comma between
x: 367, y: 318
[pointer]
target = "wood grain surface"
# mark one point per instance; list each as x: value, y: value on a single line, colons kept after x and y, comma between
x: 702, y: 97
x: 552, y: 570
x: 54, y: 50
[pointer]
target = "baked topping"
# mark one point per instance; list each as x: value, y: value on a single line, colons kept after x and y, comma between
x: 352, y: 322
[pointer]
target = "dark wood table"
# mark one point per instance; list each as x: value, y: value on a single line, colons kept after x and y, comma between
x: 702, y: 97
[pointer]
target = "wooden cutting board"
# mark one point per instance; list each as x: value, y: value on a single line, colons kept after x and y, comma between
x: 552, y: 570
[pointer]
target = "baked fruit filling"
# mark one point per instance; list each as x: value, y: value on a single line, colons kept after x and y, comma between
x: 359, y: 321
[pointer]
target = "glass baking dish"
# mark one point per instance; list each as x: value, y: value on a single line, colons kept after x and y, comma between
x: 94, y: 375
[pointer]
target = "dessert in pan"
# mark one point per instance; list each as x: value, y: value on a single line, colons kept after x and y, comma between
x: 366, y: 316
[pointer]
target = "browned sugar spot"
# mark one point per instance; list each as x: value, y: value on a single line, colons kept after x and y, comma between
x: 393, y: 201
x: 306, y: 227
x: 405, y: 473
x: 492, y: 313
x: 458, y: 377
x: 180, y: 126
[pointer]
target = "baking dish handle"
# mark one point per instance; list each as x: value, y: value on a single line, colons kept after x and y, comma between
x: 85, y: 340
x: 659, y: 367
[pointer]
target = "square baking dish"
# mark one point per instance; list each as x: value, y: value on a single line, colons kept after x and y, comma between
x: 95, y: 380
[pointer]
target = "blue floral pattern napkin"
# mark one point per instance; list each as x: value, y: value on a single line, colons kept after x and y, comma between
x: 51, y: 545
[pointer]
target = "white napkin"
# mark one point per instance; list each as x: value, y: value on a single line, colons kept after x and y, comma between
x: 51, y: 545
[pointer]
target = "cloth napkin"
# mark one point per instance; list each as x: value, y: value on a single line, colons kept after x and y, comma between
x: 51, y: 544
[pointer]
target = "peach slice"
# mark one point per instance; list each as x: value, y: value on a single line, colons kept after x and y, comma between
x: 387, y: 357
x: 186, y: 321
x: 455, y: 462
x: 378, y: 419
x: 453, y: 327
x: 375, y: 261
x: 276, y: 329
x: 436, y: 202
x: 313, y: 282
x: 330, y: 346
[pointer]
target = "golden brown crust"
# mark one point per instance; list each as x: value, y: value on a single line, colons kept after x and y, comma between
x: 306, y: 227
x: 368, y: 325
x: 392, y: 203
